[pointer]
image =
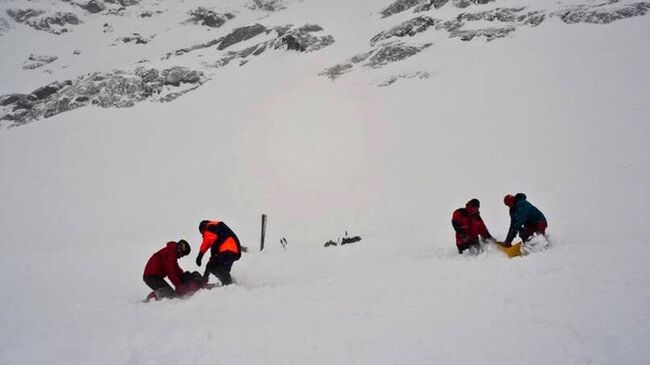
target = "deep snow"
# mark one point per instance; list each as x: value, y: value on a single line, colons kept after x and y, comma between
x: 559, y: 112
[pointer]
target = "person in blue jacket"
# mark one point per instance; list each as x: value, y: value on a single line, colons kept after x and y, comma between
x: 525, y: 218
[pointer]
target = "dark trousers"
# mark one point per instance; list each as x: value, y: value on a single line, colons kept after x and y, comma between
x: 159, y: 286
x: 472, y: 245
x: 220, y: 266
x: 528, y: 230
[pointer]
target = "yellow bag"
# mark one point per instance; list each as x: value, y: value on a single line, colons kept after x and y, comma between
x: 512, y: 251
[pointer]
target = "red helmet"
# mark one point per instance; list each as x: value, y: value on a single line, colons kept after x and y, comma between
x: 509, y: 200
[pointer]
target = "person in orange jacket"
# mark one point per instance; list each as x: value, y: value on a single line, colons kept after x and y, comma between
x: 164, y: 263
x: 224, y: 248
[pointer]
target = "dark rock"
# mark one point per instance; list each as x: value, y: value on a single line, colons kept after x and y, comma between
x: 22, y: 15
x: 427, y: 5
x: 123, y: 2
x: 209, y: 18
x: 47, y: 90
x: 15, y: 98
x: 94, y: 6
x: 392, y: 53
x: 267, y: 5
x: 137, y: 38
x: 489, y: 33
x: 302, y: 39
x: 599, y: 14
x: 408, y: 28
x: 54, y: 24
x: 399, y: 6
x: 241, y: 34
x: 35, y: 61
x: 466, y: 3
x: 112, y: 89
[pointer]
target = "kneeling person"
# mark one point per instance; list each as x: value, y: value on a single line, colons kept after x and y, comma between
x: 164, y: 263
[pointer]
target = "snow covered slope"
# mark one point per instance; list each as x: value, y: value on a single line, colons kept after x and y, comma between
x: 365, y: 120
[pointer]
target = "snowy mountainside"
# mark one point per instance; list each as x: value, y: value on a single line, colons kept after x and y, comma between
x: 135, y: 41
x: 375, y: 118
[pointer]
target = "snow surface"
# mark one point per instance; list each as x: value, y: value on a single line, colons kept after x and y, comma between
x: 559, y: 112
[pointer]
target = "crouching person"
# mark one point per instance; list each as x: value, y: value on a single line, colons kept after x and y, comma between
x: 164, y: 263
x: 468, y: 224
x: 224, y: 248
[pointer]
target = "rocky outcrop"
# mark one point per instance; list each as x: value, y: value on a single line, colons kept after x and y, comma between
x: 56, y: 23
x: 407, y: 28
x: 466, y: 3
x: 399, y: 6
x: 267, y: 5
x: 36, y: 61
x: 603, y: 14
x: 209, y: 18
x: 123, y: 2
x: 241, y: 34
x: 93, y: 6
x: 287, y: 37
x: 487, y: 33
x: 105, y: 89
x: 376, y: 58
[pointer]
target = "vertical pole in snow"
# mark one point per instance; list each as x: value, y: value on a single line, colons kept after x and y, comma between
x: 263, y: 232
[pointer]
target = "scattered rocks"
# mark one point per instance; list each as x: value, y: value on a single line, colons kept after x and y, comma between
x: 267, y: 5
x: 36, y: 61
x: 420, y: 75
x: 55, y: 24
x: 209, y: 18
x: 302, y: 39
x: 466, y: 3
x: 136, y: 38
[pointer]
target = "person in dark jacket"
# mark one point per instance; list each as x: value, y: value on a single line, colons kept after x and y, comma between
x: 525, y: 219
x: 468, y: 224
x: 164, y: 263
x: 224, y: 248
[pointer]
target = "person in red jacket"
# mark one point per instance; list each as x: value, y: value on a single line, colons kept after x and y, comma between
x: 224, y: 248
x: 164, y: 263
x: 468, y: 224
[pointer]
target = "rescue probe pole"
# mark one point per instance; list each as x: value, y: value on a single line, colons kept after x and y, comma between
x: 263, y: 232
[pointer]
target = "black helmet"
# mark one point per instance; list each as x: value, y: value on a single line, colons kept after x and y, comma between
x: 183, y: 248
x: 202, y: 225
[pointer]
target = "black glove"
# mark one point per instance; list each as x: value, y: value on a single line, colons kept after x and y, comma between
x: 198, y: 258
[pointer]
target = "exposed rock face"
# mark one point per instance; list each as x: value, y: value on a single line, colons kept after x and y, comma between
x: 113, y: 89
x: 241, y: 34
x: 387, y: 53
x: 123, y: 2
x: 267, y: 5
x: 286, y: 37
x: 302, y: 39
x: 36, y: 61
x: 488, y: 33
x: 603, y: 14
x: 408, y: 28
x: 398, y: 7
x: 55, y: 24
x: 209, y: 18
x: 466, y: 3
